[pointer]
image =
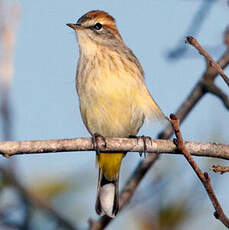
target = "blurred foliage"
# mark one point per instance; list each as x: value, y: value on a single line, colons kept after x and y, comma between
x: 170, y: 217
x: 163, y: 208
x: 47, y: 189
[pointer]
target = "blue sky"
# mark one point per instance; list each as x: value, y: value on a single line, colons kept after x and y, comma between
x: 44, y: 99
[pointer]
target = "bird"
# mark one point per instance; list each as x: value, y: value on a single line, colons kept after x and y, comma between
x: 113, y: 97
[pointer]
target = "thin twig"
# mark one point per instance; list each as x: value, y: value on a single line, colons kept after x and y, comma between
x: 11, y: 148
x: 204, y: 177
x: 219, y: 168
x: 192, y: 41
x: 196, y: 94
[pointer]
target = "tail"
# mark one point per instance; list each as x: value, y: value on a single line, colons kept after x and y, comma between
x: 107, y: 199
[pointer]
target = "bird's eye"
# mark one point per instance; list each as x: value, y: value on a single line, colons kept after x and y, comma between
x: 97, y: 26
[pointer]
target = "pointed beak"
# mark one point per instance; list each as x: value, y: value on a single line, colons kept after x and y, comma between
x: 74, y: 26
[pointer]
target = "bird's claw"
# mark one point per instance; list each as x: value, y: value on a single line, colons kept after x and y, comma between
x: 144, y: 139
x: 95, y: 141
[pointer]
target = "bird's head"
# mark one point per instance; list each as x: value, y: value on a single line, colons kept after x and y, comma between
x: 96, y: 28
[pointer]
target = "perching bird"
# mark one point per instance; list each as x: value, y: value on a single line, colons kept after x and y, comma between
x: 114, y: 100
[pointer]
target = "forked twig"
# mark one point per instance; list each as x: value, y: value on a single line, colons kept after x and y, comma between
x: 204, y: 177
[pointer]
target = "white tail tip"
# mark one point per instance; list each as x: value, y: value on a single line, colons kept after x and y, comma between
x: 107, y: 194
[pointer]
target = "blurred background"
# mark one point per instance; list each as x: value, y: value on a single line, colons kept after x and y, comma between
x: 38, y: 56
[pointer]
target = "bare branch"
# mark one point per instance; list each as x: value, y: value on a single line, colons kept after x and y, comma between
x: 215, y: 90
x: 192, y: 41
x: 204, y: 177
x: 196, y: 94
x: 11, y: 148
x: 219, y: 168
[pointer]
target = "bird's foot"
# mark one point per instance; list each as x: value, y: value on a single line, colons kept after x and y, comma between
x: 96, y: 138
x: 144, y: 139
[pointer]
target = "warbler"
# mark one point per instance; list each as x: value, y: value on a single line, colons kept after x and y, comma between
x: 113, y: 98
